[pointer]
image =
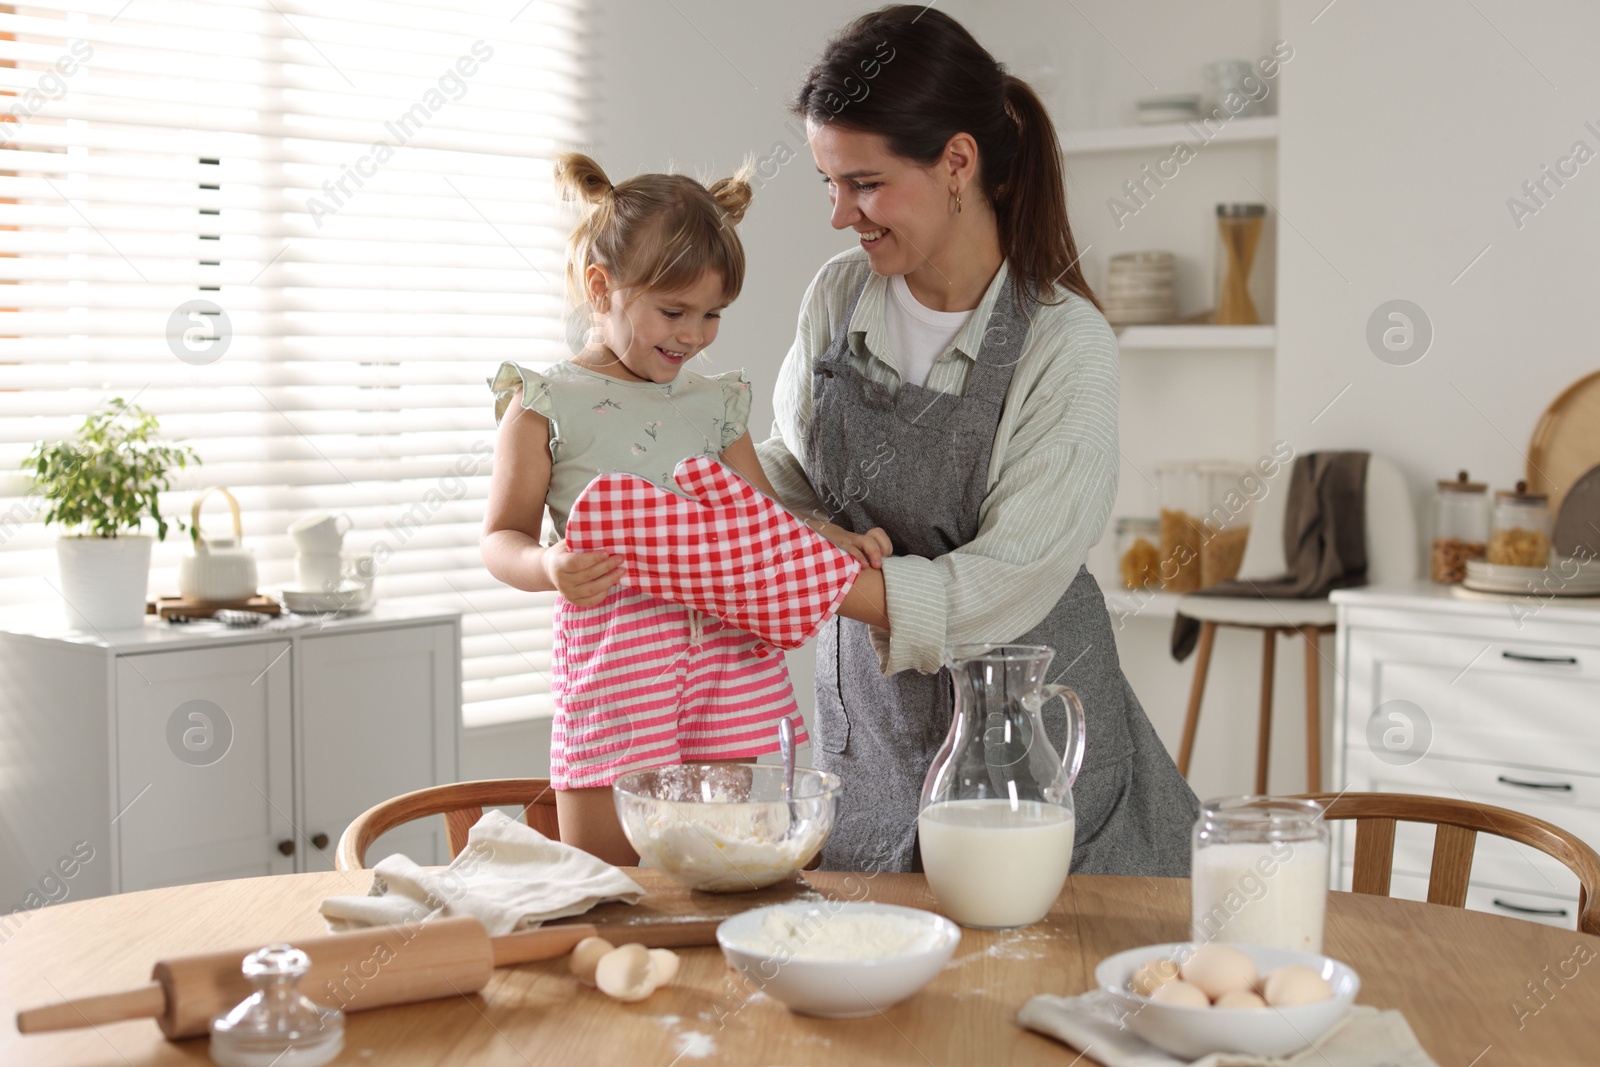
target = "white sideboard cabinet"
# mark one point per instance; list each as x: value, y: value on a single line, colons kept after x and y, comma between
x: 1491, y: 700
x: 192, y: 752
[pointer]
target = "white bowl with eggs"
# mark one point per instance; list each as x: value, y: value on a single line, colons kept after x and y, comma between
x: 1193, y: 1030
x: 837, y: 959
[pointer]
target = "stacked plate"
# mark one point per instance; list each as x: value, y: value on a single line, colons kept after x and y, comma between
x: 1139, y: 289
x: 1564, y: 577
x: 1168, y: 107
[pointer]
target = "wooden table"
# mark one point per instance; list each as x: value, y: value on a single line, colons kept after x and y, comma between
x: 1457, y: 976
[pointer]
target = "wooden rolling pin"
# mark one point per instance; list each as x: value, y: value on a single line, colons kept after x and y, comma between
x: 354, y: 971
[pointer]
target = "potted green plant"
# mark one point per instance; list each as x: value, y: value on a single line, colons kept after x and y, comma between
x: 101, y: 485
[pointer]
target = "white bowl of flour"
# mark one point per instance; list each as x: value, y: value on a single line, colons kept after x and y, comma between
x: 724, y: 828
x: 837, y: 959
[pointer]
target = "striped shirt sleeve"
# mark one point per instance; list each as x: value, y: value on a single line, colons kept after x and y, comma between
x: 791, y: 403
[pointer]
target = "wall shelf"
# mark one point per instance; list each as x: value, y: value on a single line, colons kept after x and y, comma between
x: 1236, y: 338
x: 1262, y: 128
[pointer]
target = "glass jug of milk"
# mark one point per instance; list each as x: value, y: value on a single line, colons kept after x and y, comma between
x: 1260, y: 872
x: 996, y: 824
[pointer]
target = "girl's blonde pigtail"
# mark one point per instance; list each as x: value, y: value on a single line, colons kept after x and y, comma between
x: 733, y: 195
x: 580, y: 178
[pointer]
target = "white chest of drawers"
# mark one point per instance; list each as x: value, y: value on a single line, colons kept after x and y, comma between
x: 186, y: 753
x: 1489, y: 700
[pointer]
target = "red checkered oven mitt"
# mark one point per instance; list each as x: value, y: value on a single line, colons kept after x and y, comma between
x: 729, y: 551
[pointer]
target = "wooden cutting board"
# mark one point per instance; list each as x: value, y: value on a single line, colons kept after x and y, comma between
x: 204, y: 609
x: 667, y: 901
x: 1566, y: 442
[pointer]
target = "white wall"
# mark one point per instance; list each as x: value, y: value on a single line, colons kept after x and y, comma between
x: 1406, y: 128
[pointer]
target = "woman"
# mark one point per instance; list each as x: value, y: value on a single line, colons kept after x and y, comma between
x: 954, y: 385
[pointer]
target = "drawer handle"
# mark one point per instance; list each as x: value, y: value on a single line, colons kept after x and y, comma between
x: 1559, y: 913
x: 1558, y: 787
x: 1525, y: 658
x: 286, y: 847
x: 319, y: 841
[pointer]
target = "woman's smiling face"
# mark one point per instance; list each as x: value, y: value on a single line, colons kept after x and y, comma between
x: 901, y: 210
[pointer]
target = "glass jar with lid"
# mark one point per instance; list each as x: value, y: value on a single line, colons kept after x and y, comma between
x: 1182, y: 487
x: 1225, y: 526
x: 1520, y: 536
x: 1460, y: 527
x: 1239, y: 229
x: 1259, y: 872
x: 1139, y: 550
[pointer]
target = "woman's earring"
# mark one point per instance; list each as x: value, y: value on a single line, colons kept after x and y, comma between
x: 958, y: 203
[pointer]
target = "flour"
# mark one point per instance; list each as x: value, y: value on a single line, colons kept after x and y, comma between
x: 814, y: 934
x: 695, y: 1045
x: 729, y: 848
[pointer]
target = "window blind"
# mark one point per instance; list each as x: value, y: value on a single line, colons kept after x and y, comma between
x: 302, y: 235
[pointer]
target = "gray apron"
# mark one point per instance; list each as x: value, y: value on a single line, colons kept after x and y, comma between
x: 915, y: 462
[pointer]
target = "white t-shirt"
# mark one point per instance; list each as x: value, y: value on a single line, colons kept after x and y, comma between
x: 917, y: 335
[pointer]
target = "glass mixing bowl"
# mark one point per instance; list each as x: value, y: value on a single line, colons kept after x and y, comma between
x: 725, y: 828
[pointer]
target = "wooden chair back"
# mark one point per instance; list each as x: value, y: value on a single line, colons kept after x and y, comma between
x: 461, y: 804
x: 1458, y: 823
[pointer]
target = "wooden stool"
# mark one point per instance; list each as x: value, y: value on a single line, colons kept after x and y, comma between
x: 1391, y: 558
x: 1310, y: 633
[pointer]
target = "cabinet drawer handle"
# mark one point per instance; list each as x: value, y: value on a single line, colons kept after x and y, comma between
x: 319, y: 840
x: 1560, y: 913
x: 1525, y: 658
x: 286, y: 847
x: 1558, y: 787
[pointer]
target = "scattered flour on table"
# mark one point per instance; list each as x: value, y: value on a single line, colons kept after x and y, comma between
x: 695, y: 1045
x: 1014, y: 945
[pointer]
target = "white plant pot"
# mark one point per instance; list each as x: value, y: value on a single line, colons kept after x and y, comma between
x: 103, y: 581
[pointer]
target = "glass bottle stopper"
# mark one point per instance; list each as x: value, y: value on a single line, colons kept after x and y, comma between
x: 277, y: 1026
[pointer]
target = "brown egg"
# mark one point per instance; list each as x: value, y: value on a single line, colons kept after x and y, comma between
x: 1219, y: 970
x: 1241, y: 999
x: 663, y: 965
x: 625, y: 973
x: 586, y: 955
x: 1152, y: 976
x: 1182, y: 993
x: 1292, y: 984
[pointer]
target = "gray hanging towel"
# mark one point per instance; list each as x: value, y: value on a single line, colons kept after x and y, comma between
x: 1324, y: 539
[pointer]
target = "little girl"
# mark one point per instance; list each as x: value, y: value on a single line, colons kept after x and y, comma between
x: 638, y: 681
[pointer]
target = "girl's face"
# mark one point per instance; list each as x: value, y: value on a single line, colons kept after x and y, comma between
x: 648, y: 336
x: 901, y: 210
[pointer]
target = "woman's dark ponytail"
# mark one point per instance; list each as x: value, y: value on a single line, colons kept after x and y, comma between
x: 916, y: 77
x: 1031, y: 202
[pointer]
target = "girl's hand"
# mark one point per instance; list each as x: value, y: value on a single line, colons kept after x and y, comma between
x: 869, y: 548
x: 584, y: 578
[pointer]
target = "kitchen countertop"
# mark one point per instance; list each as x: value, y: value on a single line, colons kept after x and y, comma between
x: 1430, y: 596
x: 158, y: 635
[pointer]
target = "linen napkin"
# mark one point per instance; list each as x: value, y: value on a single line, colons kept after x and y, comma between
x: 1366, y: 1037
x: 509, y: 877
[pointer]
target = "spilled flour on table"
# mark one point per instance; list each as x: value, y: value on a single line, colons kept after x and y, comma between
x: 1023, y: 944
x: 695, y: 1045
x: 691, y: 1044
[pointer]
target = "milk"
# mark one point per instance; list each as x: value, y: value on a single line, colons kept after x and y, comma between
x: 1261, y: 894
x: 996, y: 863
